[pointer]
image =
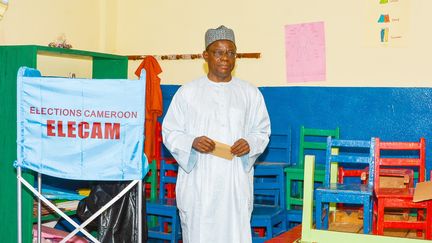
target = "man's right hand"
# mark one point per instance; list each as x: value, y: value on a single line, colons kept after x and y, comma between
x: 203, y: 144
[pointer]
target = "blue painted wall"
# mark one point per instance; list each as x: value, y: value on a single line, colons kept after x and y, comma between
x: 393, y: 114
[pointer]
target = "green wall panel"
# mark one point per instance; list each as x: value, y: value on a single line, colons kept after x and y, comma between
x: 11, y: 59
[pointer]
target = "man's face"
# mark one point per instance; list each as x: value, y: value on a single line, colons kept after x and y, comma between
x: 220, y: 56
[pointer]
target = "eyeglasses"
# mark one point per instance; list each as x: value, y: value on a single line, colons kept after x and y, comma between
x: 220, y: 53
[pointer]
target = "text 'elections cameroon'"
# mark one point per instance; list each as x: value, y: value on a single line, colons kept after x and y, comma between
x: 83, y: 129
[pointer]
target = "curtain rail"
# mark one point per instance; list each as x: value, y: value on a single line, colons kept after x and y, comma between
x: 189, y: 56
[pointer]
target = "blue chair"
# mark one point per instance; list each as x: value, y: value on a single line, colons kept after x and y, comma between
x: 351, y: 152
x: 269, y: 187
x: 270, y: 216
x: 269, y: 168
x: 164, y: 208
x: 269, y: 176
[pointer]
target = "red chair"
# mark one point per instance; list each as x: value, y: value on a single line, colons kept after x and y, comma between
x: 390, y: 178
x: 399, y: 155
x: 342, y: 173
x: 405, y: 177
x: 159, y: 156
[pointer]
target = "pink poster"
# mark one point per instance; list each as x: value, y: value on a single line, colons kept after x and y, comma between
x: 305, y: 52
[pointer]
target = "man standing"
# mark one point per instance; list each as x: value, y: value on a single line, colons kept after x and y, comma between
x: 214, y: 194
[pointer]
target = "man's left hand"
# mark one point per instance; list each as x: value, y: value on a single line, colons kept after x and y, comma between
x: 240, y: 147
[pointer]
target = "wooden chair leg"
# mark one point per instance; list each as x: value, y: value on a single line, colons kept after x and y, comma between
x: 269, y: 231
x: 428, y: 231
x: 366, y: 216
x: 288, y: 193
x: 374, y: 217
x: 420, y: 217
x: 300, y: 188
x: 318, y: 212
x: 326, y: 215
x: 380, y: 219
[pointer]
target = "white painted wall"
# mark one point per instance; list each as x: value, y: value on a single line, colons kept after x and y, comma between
x: 178, y: 27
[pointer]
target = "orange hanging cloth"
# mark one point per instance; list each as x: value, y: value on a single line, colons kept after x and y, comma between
x: 153, y: 103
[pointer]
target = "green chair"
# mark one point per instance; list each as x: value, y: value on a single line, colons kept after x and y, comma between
x: 151, y: 184
x: 310, y: 139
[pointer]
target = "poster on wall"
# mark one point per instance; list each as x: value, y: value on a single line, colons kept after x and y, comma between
x: 305, y: 52
x: 84, y: 129
x: 386, y: 23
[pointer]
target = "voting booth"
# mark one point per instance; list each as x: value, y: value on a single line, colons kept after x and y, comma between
x: 80, y: 129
